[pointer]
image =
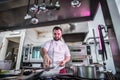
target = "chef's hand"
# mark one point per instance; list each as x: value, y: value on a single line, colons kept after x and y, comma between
x: 46, y: 61
x: 62, y: 63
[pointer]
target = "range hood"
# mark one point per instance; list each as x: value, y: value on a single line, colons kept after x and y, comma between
x: 74, y: 37
x: 77, y: 32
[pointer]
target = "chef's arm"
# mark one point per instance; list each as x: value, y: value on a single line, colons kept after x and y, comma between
x: 46, y: 59
x: 44, y: 52
x: 67, y: 59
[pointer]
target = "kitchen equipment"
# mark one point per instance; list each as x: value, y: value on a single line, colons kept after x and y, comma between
x: 84, y: 72
x: 87, y: 72
x: 5, y: 65
x: 52, y: 71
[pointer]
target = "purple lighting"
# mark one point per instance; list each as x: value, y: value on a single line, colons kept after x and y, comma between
x: 100, y: 43
x: 81, y: 12
x: 85, y: 13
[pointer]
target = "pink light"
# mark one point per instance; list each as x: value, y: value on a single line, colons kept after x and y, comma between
x: 85, y: 13
x: 81, y: 12
x: 99, y: 39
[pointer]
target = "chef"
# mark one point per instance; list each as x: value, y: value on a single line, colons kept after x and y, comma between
x: 55, y: 52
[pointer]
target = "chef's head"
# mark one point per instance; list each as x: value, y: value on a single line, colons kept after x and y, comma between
x: 57, y: 33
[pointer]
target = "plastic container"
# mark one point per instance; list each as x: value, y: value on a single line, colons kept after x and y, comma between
x: 5, y: 65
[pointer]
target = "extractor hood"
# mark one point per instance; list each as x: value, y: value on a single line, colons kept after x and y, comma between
x: 76, y: 33
x: 74, y: 37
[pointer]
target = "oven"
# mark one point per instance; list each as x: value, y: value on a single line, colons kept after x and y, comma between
x: 80, y: 54
x: 32, y: 56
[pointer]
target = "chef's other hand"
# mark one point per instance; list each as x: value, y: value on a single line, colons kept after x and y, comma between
x: 46, y: 61
x: 62, y: 63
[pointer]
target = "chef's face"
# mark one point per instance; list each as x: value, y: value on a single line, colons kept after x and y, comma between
x: 57, y: 34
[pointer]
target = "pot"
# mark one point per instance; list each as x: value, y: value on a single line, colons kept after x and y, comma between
x: 86, y: 71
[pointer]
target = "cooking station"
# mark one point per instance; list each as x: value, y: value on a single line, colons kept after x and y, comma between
x: 74, y: 73
x: 81, y: 67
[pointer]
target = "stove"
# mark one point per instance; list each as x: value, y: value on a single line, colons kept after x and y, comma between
x: 76, y: 75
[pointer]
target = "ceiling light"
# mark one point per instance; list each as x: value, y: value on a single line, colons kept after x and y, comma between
x: 42, y: 7
x: 52, y: 6
x: 57, y: 5
x: 39, y: 7
x: 34, y: 20
x: 27, y: 16
x: 34, y: 8
x: 75, y: 3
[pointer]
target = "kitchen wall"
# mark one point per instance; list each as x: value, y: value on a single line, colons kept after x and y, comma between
x: 99, y: 20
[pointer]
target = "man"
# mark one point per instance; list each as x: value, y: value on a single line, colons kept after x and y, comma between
x: 55, y: 52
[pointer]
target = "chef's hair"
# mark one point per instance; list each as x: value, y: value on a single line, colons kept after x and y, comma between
x: 57, y: 28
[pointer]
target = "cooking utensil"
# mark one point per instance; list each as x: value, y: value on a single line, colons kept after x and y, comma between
x: 52, y: 71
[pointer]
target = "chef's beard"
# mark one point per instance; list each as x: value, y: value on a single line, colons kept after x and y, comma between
x: 56, y: 39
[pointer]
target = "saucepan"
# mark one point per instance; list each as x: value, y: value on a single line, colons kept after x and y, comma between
x: 84, y: 71
x: 87, y: 71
